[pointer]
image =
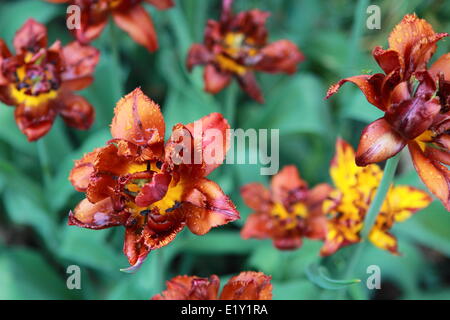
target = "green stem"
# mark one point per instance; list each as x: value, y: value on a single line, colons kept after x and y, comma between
x: 115, y: 53
x: 44, y: 161
x: 370, y: 219
x: 230, y: 104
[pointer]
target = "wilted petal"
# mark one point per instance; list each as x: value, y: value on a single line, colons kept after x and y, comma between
x: 215, y: 80
x: 442, y: 65
x: 404, y: 201
x: 248, y: 286
x: 155, y: 190
x: 415, y: 40
x: 206, y: 207
x: 378, y: 142
x: 256, y: 196
x: 198, y: 54
x: 190, y: 288
x: 160, y: 230
x: 211, y: 141
x: 76, y: 111
x: 82, y: 170
x: 4, y: 53
x: 139, y: 25
x: 161, y: 4
x: 250, y: 86
x: 80, y: 62
x: 285, y: 183
x: 384, y: 240
x: 138, y: 119
x: 257, y: 226
x: 134, y: 250
x: 370, y: 85
x: 30, y: 37
x: 280, y: 56
x: 388, y: 60
x: 435, y: 176
x: 98, y: 215
x: 36, y: 121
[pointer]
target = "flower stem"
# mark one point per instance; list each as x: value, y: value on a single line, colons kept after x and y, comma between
x: 115, y: 57
x: 44, y: 161
x: 230, y: 104
x: 370, y: 219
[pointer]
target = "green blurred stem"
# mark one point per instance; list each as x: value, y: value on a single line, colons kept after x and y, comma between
x: 44, y: 161
x: 230, y: 104
x: 370, y: 219
x: 115, y: 53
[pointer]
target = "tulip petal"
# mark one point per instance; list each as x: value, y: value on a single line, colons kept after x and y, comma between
x: 76, y: 111
x: 434, y: 175
x: 248, y: 286
x: 256, y: 196
x: 215, y: 80
x: 415, y: 40
x: 378, y: 142
x: 4, y: 53
x: 286, y: 183
x: 154, y: 190
x: 138, y: 119
x: 190, y: 288
x: 161, y: 4
x: 82, y: 170
x: 370, y: 85
x: 98, y: 215
x: 388, y: 60
x: 257, y: 226
x: 384, y: 240
x: 36, y: 121
x: 198, y: 55
x: 139, y: 25
x: 134, y: 250
x: 210, y: 141
x: 80, y: 62
x: 206, y: 206
x: 280, y: 56
x: 404, y: 201
x: 250, y: 86
x: 30, y: 37
x: 442, y: 65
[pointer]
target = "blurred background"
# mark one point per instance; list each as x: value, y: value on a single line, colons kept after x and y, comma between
x: 37, y: 246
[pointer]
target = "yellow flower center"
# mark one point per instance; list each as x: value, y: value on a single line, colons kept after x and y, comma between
x: 170, y: 201
x: 299, y: 210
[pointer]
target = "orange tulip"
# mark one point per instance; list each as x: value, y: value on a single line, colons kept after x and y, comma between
x: 40, y: 81
x: 129, y: 15
x: 287, y: 212
x: 134, y: 181
x: 245, y: 286
x: 237, y: 46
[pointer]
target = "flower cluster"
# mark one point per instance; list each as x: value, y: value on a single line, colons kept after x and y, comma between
x: 135, y: 182
x: 129, y: 15
x: 237, y: 46
x: 415, y: 101
x: 245, y: 286
x: 39, y: 80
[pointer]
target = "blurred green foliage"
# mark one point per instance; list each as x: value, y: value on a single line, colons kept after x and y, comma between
x: 36, y: 245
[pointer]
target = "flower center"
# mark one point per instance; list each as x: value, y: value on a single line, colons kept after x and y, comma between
x: 236, y: 46
x: 35, y: 83
x: 168, y: 203
x: 290, y: 217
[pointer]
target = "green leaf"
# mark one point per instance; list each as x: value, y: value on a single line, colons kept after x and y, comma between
x: 14, y: 14
x: 296, y: 106
x: 318, y: 275
x: 428, y: 227
x: 216, y: 242
x: 90, y: 248
x: 295, y: 290
x: 24, y: 274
